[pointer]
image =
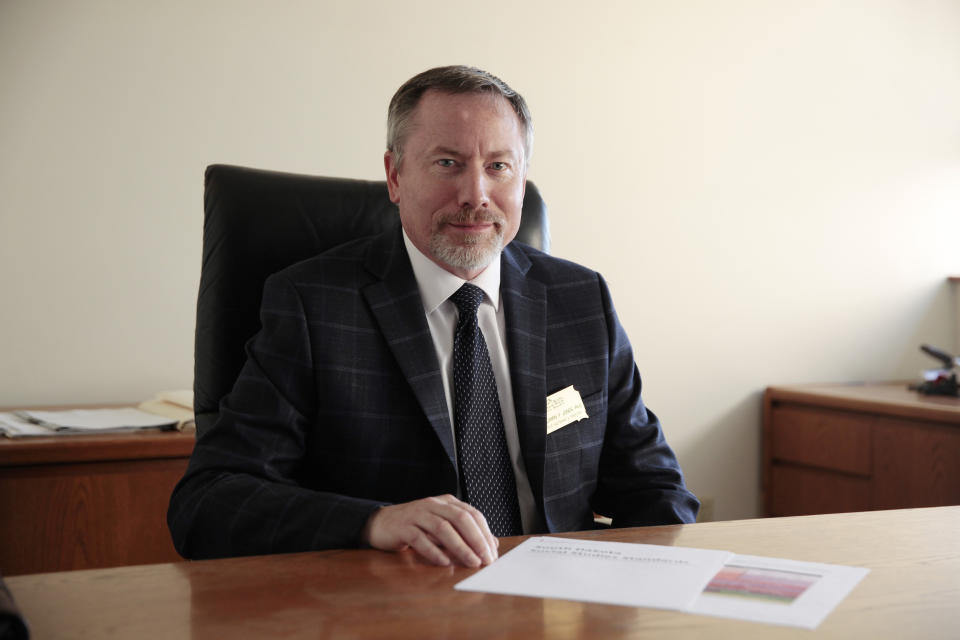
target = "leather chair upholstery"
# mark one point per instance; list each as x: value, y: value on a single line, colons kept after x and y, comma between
x: 257, y: 222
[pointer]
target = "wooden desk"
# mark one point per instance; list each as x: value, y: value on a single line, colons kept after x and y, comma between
x: 912, y: 590
x: 834, y: 448
x: 79, y: 502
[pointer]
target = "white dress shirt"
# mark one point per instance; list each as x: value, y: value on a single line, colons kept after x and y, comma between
x: 436, y: 286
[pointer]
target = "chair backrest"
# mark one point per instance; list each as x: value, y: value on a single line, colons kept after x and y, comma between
x: 257, y: 222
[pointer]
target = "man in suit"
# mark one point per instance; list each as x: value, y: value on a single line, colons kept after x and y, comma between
x: 369, y: 411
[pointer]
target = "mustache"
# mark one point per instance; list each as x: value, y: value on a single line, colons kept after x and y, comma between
x: 470, y: 215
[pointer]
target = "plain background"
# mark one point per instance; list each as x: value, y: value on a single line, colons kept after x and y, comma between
x: 772, y: 189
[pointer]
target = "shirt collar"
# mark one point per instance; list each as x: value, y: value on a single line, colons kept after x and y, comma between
x: 437, y: 284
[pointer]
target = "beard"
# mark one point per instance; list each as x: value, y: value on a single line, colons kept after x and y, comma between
x: 474, y: 251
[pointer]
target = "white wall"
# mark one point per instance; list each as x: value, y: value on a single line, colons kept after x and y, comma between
x: 771, y: 188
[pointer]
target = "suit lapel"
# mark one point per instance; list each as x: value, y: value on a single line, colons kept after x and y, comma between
x: 395, y: 302
x: 525, y: 308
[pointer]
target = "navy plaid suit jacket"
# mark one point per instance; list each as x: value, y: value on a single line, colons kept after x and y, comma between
x: 340, y: 409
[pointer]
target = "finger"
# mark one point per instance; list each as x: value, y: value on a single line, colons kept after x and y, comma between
x: 470, y: 527
x: 440, y: 529
x: 485, y: 536
x: 449, y: 538
x: 421, y: 526
x: 493, y: 542
x: 427, y: 548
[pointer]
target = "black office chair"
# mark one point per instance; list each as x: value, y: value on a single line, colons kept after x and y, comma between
x: 257, y: 222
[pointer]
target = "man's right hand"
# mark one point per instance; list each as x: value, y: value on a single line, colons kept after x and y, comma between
x: 441, y: 529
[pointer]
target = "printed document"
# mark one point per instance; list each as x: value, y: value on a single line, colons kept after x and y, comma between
x: 639, y: 575
x: 701, y: 581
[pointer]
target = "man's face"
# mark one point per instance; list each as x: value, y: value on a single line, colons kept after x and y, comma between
x: 461, y: 181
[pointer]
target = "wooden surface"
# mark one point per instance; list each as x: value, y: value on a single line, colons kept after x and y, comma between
x: 912, y: 590
x: 78, y: 502
x: 889, y: 398
x: 835, y: 448
x: 143, y: 445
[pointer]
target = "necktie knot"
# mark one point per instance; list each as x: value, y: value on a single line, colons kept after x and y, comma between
x: 467, y: 298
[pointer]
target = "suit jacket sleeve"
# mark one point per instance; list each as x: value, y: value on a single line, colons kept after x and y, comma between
x: 241, y: 494
x: 639, y: 481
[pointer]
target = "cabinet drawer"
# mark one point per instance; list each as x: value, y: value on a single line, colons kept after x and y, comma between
x: 798, y: 491
x: 824, y: 438
x: 916, y: 465
x: 86, y: 515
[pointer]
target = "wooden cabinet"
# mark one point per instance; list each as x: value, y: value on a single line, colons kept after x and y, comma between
x: 90, y: 501
x: 833, y: 448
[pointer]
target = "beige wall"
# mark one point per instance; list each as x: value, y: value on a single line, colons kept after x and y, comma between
x: 771, y: 188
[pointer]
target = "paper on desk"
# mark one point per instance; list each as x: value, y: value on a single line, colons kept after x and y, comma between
x: 14, y: 427
x: 26, y: 423
x: 777, y: 591
x: 176, y: 405
x: 637, y: 575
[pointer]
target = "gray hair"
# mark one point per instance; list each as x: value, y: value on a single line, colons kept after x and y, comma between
x: 455, y: 79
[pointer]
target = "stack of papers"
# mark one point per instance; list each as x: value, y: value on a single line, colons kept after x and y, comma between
x: 176, y: 405
x: 702, y: 581
x: 45, y: 423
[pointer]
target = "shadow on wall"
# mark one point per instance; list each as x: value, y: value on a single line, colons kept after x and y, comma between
x: 727, y: 455
x: 934, y: 319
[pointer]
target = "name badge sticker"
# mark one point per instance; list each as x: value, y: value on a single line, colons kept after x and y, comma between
x: 563, y: 407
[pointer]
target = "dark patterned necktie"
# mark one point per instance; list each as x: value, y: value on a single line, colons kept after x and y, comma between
x: 486, y: 475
